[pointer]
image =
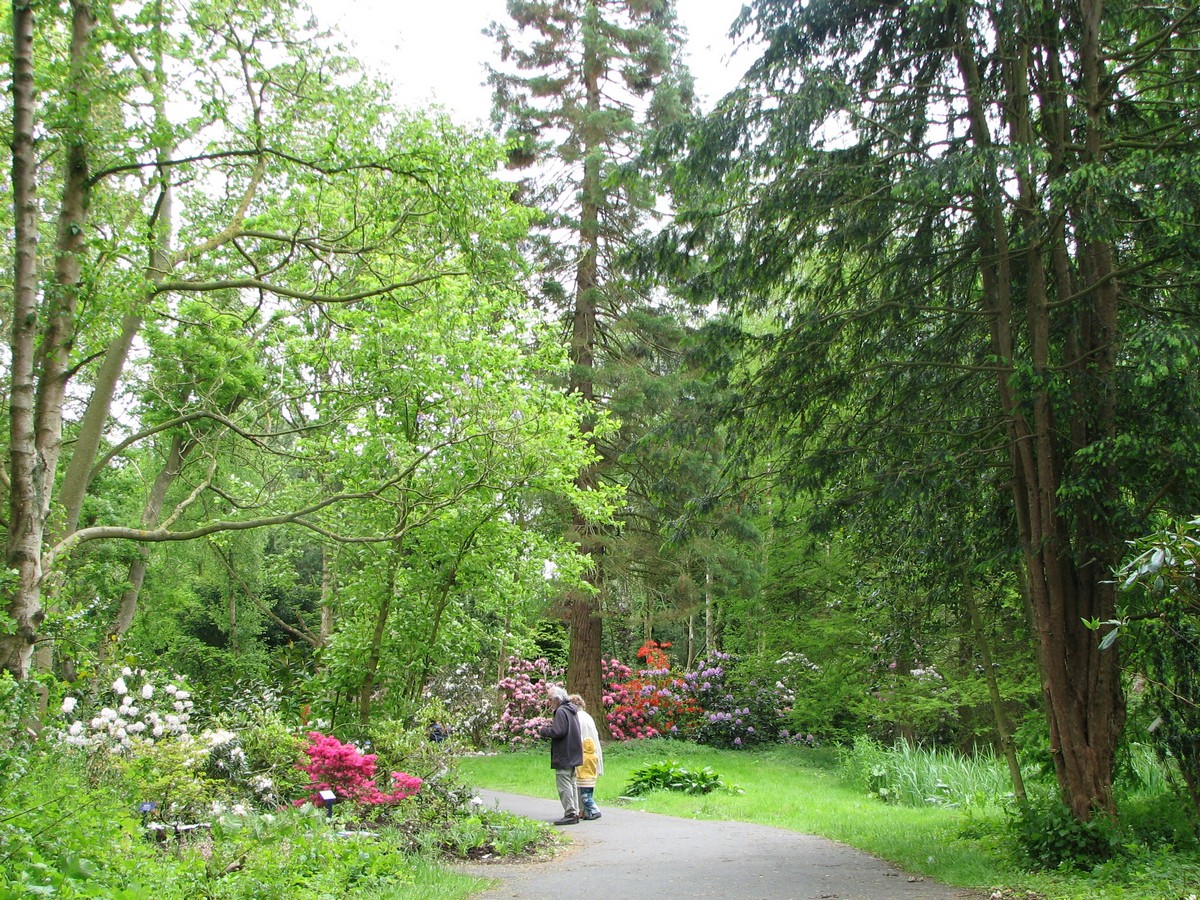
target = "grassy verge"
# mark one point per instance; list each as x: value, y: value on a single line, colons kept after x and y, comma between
x: 801, y: 790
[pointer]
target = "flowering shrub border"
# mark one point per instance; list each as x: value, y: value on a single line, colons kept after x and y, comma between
x: 652, y: 702
x: 523, y: 696
x: 700, y: 705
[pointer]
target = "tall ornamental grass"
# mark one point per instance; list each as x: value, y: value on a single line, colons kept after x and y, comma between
x: 927, y: 776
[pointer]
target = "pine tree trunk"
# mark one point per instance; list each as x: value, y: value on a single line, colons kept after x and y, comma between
x: 584, y: 608
x: 1068, y: 565
x: 710, y: 614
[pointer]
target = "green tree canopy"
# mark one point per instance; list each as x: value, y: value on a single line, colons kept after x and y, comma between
x: 966, y: 223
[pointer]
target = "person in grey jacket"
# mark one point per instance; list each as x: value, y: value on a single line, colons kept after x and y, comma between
x: 566, y: 751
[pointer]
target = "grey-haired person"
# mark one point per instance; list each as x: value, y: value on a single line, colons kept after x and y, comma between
x: 566, y: 751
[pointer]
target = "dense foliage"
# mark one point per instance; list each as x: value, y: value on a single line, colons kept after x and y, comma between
x: 324, y: 440
x: 191, y: 805
x: 964, y: 310
x: 1159, y: 628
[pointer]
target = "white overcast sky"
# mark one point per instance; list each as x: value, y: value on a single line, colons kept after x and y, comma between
x: 434, y: 51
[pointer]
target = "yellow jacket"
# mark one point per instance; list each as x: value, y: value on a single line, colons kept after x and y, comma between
x: 593, y: 753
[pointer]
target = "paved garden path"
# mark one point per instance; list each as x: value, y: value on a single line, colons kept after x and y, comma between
x: 633, y: 855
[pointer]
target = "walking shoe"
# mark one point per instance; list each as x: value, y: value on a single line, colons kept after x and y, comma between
x: 590, y: 817
x: 566, y: 820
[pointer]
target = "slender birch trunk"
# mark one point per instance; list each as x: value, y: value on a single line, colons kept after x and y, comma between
x: 42, y: 335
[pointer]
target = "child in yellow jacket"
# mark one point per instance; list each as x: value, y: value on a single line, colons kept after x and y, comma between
x: 593, y: 762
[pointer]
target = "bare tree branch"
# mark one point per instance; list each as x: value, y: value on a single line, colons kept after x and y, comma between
x: 258, y: 285
x: 256, y: 439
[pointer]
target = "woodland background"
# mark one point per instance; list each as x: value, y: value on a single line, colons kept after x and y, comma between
x: 877, y: 383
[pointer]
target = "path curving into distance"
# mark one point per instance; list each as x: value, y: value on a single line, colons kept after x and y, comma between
x: 632, y: 855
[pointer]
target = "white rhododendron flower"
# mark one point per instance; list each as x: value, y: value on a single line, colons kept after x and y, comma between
x: 133, y: 723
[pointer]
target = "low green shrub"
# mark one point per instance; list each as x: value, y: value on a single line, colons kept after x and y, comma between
x: 64, y: 835
x: 443, y: 799
x: 491, y: 832
x: 294, y: 853
x: 1048, y: 836
x: 1159, y: 821
x: 669, y: 775
x: 171, y: 775
x: 273, y: 748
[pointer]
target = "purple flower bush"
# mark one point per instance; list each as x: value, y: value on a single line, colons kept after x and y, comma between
x: 734, y: 715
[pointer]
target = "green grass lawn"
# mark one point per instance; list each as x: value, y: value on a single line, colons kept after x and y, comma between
x: 800, y: 790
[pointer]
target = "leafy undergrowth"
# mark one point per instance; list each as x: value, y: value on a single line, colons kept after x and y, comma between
x: 669, y: 775
x: 493, y: 836
x: 166, y: 821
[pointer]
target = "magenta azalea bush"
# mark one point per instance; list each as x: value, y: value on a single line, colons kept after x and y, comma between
x: 349, y: 773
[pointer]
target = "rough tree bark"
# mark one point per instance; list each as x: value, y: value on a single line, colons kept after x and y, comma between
x: 584, y: 608
x: 1068, y: 563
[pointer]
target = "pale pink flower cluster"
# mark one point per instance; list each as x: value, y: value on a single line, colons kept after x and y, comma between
x: 524, y: 695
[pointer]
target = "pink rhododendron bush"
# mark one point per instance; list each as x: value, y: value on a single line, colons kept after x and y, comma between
x: 350, y: 774
x: 523, y: 692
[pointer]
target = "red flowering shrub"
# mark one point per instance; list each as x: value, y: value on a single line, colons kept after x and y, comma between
x: 650, y: 703
x: 349, y: 773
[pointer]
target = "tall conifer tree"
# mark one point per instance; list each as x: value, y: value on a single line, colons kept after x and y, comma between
x: 583, y: 83
x: 971, y: 225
